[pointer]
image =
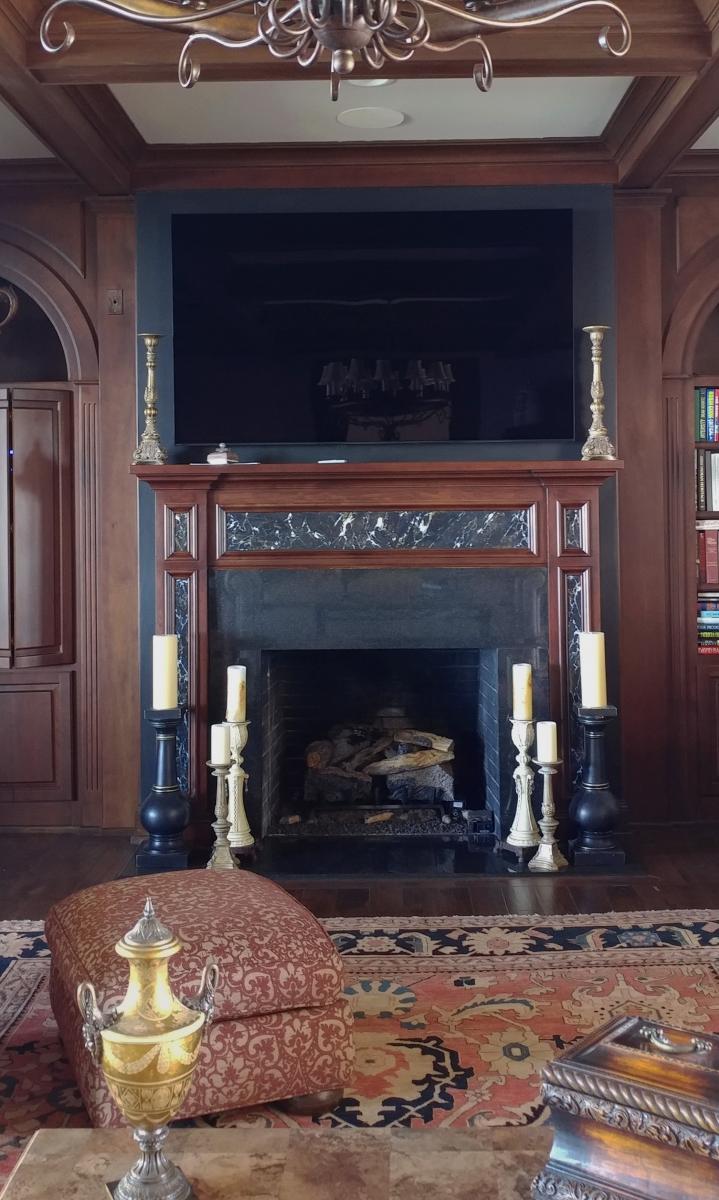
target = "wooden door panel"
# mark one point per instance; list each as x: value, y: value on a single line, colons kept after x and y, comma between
x: 27, y: 717
x: 37, y: 760
x: 42, y: 565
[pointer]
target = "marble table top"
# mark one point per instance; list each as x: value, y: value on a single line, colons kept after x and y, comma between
x: 278, y: 1164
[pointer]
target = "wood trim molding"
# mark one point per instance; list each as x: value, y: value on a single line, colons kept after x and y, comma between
x: 85, y: 128
x: 676, y: 111
x: 374, y: 164
x: 385, y: 475
x: 61, y: 306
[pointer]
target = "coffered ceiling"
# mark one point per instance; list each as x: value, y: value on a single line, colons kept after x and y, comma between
x: 426, y: 110
x: 16, y: 140
x: 111, y: 112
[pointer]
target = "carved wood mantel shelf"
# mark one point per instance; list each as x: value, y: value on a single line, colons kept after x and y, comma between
x: 373, y: 515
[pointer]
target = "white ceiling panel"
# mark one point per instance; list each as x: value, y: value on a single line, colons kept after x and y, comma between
x: 434, y: 110
x: 16, y: 140
x: 709, y: 139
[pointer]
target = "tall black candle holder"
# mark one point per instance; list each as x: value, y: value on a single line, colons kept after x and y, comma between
x: 165, y: 811
x: 594, y: 808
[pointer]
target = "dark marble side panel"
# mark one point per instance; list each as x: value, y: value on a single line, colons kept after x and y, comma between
x: 503, y: 610
x: 576, y: 622
x: 182, y: 629
x: 503, y: 529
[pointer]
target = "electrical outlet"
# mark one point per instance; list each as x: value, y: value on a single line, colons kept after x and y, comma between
x: 115, y: 302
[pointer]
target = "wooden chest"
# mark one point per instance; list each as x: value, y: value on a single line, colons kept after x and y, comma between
x: 635, y: 1113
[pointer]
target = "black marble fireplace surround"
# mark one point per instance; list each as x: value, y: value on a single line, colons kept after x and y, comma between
x: 428, y: 628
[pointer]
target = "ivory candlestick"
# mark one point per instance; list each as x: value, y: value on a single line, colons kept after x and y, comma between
x: 164, y: 671
x: 522, y: 692
x: 592, y: 670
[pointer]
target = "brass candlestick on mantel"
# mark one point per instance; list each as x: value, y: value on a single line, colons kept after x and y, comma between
x: 148, y: 1049
x: 597, y: 444
x: 150, y: 450
x: 240, y: 835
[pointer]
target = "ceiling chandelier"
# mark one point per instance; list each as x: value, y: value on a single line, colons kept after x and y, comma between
x: 379, y: 396
x: 366, y: 31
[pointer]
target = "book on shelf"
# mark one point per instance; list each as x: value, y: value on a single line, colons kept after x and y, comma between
x: 708, y: 649
x: 706, y: 477
x: 708, y: 552
x: 706, y: 414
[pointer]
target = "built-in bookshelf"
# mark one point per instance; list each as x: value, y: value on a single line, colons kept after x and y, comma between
x: 706, y: 482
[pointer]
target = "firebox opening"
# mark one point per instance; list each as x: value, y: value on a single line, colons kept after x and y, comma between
x: 371, y: 742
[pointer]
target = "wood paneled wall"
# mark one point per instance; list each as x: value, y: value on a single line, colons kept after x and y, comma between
x: 643, y: 563
x: 67, y: 250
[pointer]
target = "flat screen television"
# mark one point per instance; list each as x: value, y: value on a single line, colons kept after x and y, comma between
x: 373, y: 327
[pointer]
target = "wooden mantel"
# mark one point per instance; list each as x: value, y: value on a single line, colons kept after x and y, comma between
x: 380, y: 473
x: 555, y: 504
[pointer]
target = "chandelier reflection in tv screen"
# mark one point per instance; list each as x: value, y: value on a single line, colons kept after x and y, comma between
x: 368, y: 32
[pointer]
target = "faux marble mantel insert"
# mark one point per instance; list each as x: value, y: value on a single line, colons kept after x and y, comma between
x: 481, y: 529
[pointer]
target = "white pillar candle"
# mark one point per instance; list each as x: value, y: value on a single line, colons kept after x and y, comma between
x: 522, y: 691
x: 592, y: 670
x: 164, y: 670
x: 546, y: 741
x: 236, y: 693
x: 220, y: 745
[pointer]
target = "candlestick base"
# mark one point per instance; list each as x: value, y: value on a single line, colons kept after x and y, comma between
x: 240, y: 835
x: 165, y: 811
x: 222, y: 858
x: 548, y: 857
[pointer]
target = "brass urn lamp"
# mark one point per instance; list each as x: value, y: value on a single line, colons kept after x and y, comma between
x: 148, y: 1048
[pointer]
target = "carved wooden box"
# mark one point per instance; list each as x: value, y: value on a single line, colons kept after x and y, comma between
x: 635, y: 1112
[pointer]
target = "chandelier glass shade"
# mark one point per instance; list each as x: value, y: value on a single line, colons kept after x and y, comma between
x: 368, y: 32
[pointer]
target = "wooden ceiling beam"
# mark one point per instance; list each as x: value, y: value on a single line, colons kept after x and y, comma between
x: 454, y: 164
x: 658, y: 121
x: 669, y: 37
x: 85, y: 127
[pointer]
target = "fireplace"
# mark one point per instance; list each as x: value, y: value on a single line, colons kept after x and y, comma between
x: 350, y: 589
x: 340, y: 647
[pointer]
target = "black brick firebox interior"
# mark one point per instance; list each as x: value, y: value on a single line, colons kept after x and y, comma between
x: 331, y: 645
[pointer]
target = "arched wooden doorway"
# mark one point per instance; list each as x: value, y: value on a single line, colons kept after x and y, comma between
x: 50, y: 692
x: 694, y: 680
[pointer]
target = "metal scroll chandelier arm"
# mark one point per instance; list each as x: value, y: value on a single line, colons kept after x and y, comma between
x: 192, y: 15
x: 530, y: 14
x: 351, y: 30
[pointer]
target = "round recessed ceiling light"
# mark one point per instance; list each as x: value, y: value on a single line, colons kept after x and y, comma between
x: 369, y: 82
x: 371, y: 118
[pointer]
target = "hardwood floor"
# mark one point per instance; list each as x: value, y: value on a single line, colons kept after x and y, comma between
x: 676, y: 867
x: 37, y: 869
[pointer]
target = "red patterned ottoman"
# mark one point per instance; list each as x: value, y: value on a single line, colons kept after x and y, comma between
x: 282, y: 1027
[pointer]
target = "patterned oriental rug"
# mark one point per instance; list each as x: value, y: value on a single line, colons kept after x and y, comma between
x: 455, y: 1017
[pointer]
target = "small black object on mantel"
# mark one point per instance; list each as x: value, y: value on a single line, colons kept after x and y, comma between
x: 594, y: 808
x: 165, y: 811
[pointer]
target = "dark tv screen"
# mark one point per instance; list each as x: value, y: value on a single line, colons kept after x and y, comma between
x: 373, y: 327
